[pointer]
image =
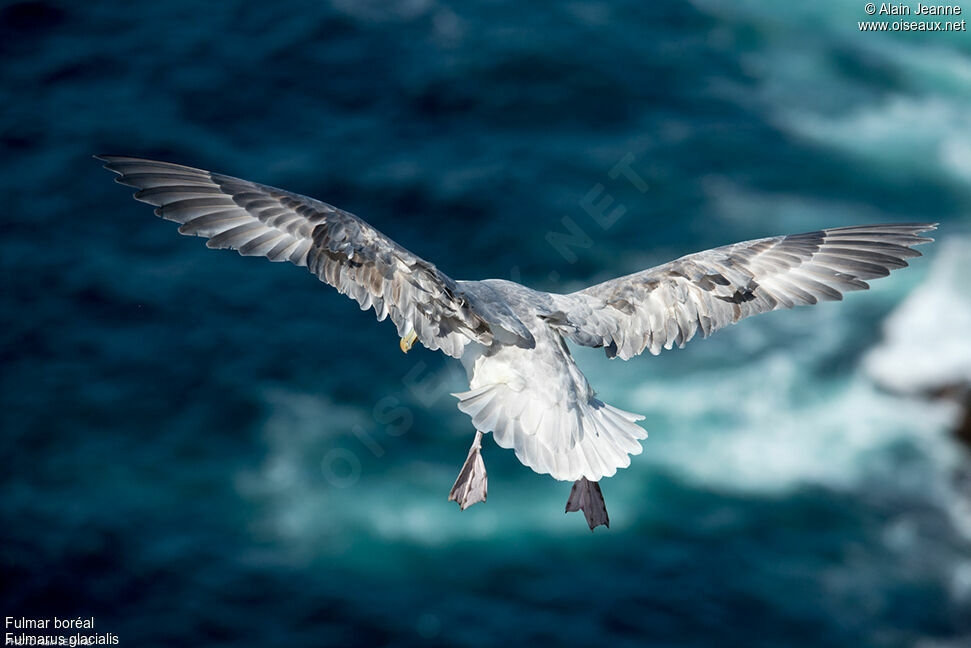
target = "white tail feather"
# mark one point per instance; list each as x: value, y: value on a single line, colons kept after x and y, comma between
x: 567, y: 444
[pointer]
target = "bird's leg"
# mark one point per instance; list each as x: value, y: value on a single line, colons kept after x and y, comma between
x: 408, y: 340
x: 471, y: 485
x: 586, y: 496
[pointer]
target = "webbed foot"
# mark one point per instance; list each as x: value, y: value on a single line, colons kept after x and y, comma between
x: 471, y: 485
x: 586, y: 496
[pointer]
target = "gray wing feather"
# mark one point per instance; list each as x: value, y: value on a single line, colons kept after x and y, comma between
x: 666, y: 306
x: 338, y: 247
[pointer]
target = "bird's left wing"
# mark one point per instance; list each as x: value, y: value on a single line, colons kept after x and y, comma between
x: 666, y: 306
x: 338, y: 247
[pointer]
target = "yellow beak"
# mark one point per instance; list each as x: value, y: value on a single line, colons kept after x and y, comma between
x: 407, y: 341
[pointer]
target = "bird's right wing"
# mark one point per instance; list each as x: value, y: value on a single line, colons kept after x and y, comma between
x: 338, y: 247
x: 665, y: 306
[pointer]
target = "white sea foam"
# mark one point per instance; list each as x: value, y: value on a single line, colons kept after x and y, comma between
x: 314, y: 514
x: 927, y: 340
x: 772, y: 423
x: 921, y: 127
x: 899, y: 133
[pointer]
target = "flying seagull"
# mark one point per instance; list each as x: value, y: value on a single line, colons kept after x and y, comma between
x: 524, y: 386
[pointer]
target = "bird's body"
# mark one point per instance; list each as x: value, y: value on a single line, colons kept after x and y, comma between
x: 524, y: 385
x: 534, y: 398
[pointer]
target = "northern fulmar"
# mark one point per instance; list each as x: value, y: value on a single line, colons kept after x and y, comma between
x: 524, y: 386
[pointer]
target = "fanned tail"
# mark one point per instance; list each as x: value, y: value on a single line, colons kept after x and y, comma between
x: 591, y: 439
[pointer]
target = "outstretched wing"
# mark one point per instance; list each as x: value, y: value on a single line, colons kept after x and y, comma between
x: 665, y: 306
x: 338, y: 247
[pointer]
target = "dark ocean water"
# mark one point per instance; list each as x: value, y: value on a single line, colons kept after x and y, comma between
x: 201, y: 449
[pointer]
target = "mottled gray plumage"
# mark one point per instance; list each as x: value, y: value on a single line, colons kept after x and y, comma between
x: 524, y: 386
x: 665, y: 306
x: 338, y: 247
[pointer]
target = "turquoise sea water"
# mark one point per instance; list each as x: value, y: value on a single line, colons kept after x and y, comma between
x: 206, y: 449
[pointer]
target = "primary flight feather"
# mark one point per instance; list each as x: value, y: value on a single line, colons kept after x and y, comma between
x: 524, y: 385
